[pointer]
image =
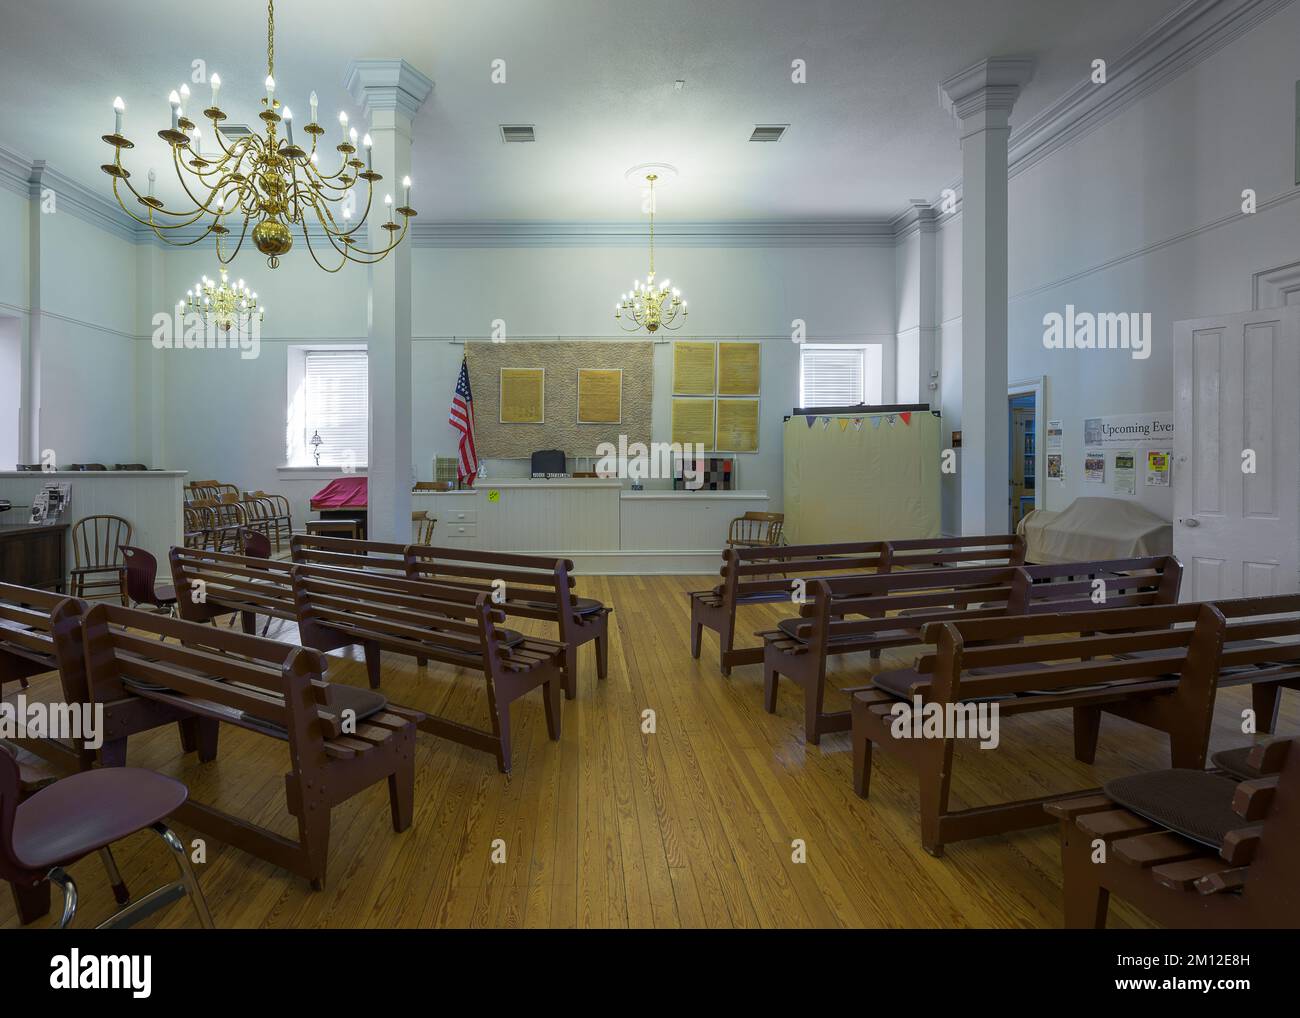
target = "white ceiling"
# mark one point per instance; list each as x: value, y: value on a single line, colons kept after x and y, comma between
x: 596, y: 78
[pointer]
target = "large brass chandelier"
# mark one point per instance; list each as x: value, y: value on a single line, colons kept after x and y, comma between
x: 224, y: 306
x: 650, y: 305
x: 268, y: 182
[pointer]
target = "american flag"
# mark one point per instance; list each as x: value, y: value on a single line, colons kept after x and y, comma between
x: 462, y: 419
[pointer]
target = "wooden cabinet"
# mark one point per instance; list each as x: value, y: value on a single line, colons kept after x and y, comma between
x: 34, y: 556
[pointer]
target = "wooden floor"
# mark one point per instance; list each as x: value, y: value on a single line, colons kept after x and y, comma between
x: 690, y: 826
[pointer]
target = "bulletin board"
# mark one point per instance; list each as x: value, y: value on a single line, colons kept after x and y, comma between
x: 559, y: 428
x: 869, y: 478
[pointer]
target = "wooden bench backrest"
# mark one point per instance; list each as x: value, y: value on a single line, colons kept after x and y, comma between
x: 348, y: 553
x: 263, y: 585
x: 211, y: 665
x: 40, y: 627
x: 537, y: 579
x: 1182, y: 639
x: 1127, y: 583
x: 405, y: 615
x: 938, y: 552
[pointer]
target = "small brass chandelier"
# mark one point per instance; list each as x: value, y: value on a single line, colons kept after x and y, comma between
x: 222, y: 305
x: 648, y: 305
x: 268, y: 182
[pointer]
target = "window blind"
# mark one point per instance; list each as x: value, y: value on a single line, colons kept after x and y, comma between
x: 831, y: 376
x: 336, y: 397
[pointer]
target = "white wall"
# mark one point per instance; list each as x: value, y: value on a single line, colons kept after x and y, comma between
x: 1143, y: 214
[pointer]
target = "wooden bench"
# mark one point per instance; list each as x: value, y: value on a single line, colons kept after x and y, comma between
x: 431, y: 621
x: 1178, y: 877
x: 1159, y: 666
x: 747, y: 577
x: 896, y: 606
x: 534, y: 586
x: 40, y: 633
x: 211, y: 584
x: 341, y: 739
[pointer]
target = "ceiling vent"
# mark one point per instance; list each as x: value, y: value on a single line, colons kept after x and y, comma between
x: 234, y: 131
x: 768, y: 132
x: 517, y: 133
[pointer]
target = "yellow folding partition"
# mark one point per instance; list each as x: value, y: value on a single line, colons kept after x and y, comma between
x: 862, y: 478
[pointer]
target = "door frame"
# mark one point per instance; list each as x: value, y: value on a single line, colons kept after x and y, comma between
x: 1037, y: 387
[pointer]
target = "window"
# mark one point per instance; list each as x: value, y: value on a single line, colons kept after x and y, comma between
x: 839, y: 375
x: 328, y: 396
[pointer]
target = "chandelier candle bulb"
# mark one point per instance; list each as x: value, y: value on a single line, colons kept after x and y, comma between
x: 184, y: 97
x: 406, y: 183
x: 174, y: 100
x: 288, y: 125
x: 370, y: 155
x: 311, y: 101
x: 119, y: 108
x: 216, y: 87
x: 343, y: 125
x: 270, y: 90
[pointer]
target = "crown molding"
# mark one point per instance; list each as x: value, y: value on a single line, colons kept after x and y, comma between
x: 987, y: 87
x: 735, y: 233
x: 387, y: 84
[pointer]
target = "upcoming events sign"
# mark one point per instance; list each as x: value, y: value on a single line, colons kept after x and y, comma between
x: 1129, y: 429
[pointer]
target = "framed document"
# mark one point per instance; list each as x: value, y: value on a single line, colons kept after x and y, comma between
x: 523, y: 395
x: 600, y: 395
x: 737, y: 425
x: 739, y: 369
x: 694, y: 368
x: 693, y: 422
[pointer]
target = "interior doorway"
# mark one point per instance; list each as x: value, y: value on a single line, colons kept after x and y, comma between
x: 1026, y: 403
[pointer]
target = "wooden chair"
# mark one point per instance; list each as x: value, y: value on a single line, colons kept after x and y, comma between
x: 141, y: 581
x: 129, y: 466
x: 431, y: 621
x: 424, y: 524
x: 96, y: 544
x: 341, y: 739
x: 198, y: 526
x: 87, y: 466
x: 1204, y: 852
x: 755, y: 530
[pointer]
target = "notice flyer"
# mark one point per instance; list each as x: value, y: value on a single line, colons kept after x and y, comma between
x: 1055, y: 472
x: 1094, y: 466
x: 1125, y: 476
x: 1158, y: 463
x: 1055, y: 436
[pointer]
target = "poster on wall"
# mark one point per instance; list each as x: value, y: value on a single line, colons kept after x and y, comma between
x: 1094, y: 466
x: 1055, y: 470
x: 1055, y: 436
x: 1125, y: 482
x: 694, y: 368
x: 600, y: 395
x: 523, y: 395
x: 692, y: 422
x: 738, y: 425
x: 1126, y: 429
x: 1158, y: 464
x: 739, y: 369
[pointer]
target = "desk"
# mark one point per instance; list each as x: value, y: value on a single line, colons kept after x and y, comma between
x: 34, y: 555
x: 600, y: 524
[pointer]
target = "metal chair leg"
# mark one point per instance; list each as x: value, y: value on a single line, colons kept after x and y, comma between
x: 120, y: 892
x: 187, y: 873
x: 69, y: 889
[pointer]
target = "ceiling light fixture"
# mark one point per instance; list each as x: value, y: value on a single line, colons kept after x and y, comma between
x: 648, y: 305
x: 222, y: 305
x: 263, y: 180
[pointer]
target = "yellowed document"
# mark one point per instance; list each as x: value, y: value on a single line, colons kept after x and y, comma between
x: 523, y: 395
x: 737, y: 425
x: 693, y: 368
x: 738, y: 369
x: 600, y: 396
x: 693, y: 422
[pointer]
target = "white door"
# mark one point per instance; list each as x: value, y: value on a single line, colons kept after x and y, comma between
x: 1236, y: 382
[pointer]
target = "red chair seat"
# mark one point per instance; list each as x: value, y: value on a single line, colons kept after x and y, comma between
x: 43, y: 836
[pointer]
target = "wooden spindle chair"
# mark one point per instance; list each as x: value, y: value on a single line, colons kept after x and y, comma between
x: 96, y: 541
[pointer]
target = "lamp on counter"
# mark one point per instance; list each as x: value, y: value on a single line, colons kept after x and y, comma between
x: 315, y: 443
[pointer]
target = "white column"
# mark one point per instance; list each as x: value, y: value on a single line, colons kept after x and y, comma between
x: 981, y: 98
x: 390, y: 92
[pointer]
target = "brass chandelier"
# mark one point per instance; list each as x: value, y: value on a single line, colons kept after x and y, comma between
x: 648, y: 305
x: 222, y: 305
x: 268, y: 182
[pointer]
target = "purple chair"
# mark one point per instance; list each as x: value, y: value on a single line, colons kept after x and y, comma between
x: 141, y: 572
x: 85, y: 813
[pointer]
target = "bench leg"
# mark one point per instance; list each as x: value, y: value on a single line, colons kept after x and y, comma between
x: 32, y: 901
x: 861, y: 763
x: 248, y: 623
x: 503, y: 737
x: 1086, y: 901
x: 935, y: 773
x: 697, y: 631
x: 602, y: 655
x: 113, y: 753
x: 551, y: 700
x: 1187, y: 750
x: 1087, y: 729
x: 771, y: 678
x: 724, y: 648
x: 570, y: 671
x: 401, y: 796
x: 813, y: 696
x: 1265, y: 700
x: 372, y: 663
x: 314, y: 837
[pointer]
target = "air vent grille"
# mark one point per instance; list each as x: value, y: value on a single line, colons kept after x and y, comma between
x: 233, y: 131
x: 517, y: 133
x: 768, y: 132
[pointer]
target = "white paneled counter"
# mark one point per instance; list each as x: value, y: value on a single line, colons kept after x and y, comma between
x: 601, y: 525
x: 150, y: 500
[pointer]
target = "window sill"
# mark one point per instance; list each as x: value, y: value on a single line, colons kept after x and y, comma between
x: 321, y: 471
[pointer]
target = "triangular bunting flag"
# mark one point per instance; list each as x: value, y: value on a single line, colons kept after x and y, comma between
x: 875, y: 422
x: 826, y: 423
x: 844, y: 423
x: 857, y: 424
x: 811, y: 420
x: 907, y: 416
x: 892, y: 420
